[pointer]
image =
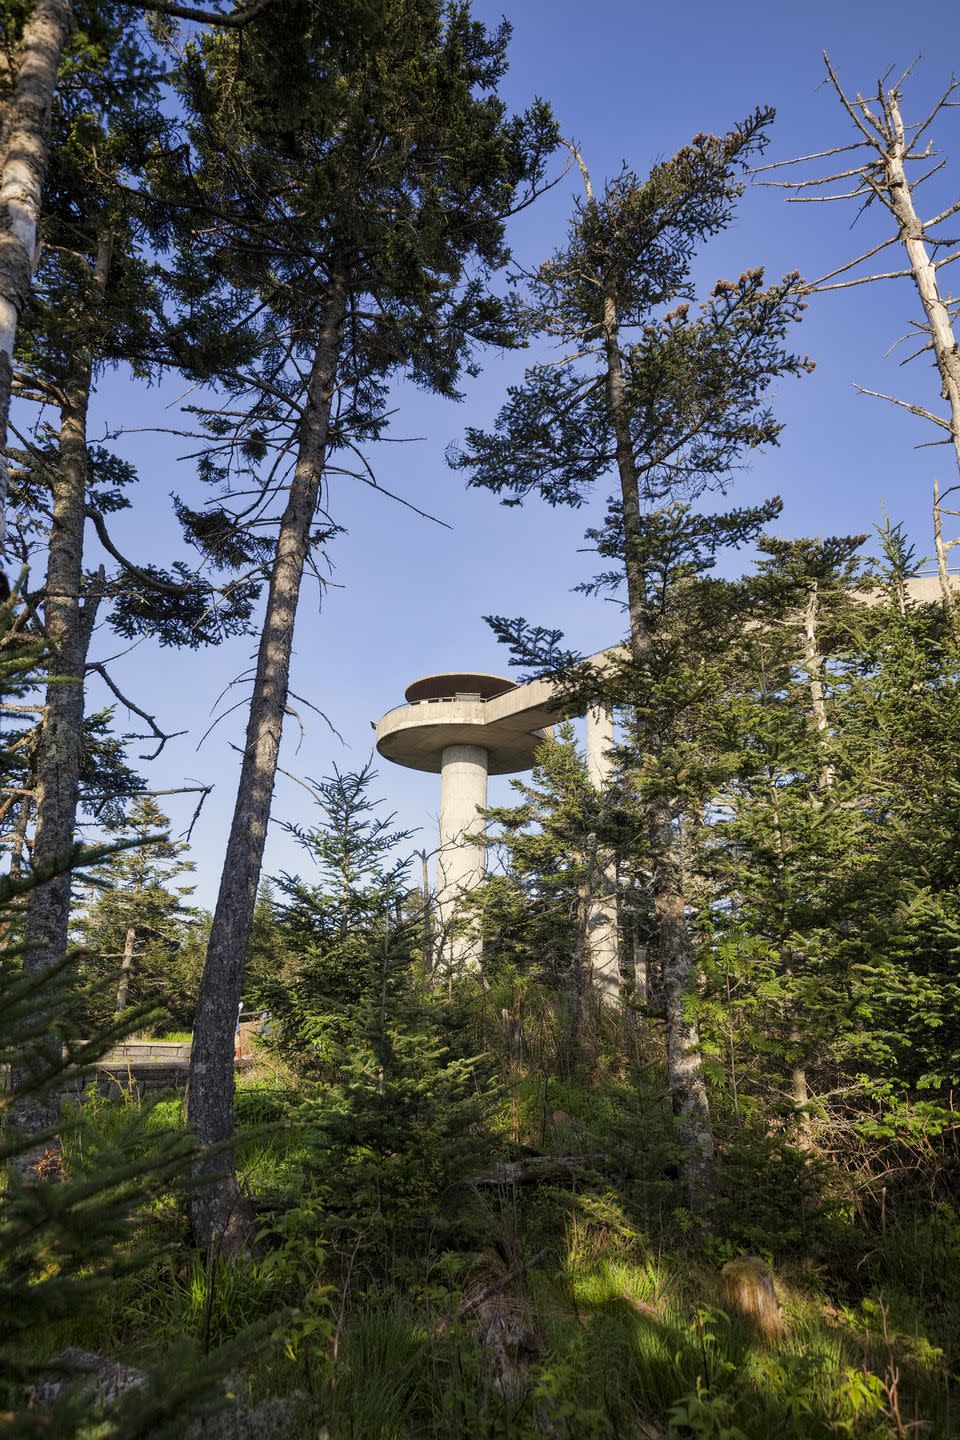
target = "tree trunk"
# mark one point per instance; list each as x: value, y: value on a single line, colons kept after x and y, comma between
x: 897, y: 193
x: 18, y: 837
x: 943, y: 548
x: 126, y: 967
x: 688, y: 1088
x: 813, y: 664
x: 68, y: 625
x: 219, y: 1214
x: 688, y: 1091
x: 580, y: 971
x: 799, y: 1088
x: 826, y: 782
x: 428, y: 956
x: 26, y: 137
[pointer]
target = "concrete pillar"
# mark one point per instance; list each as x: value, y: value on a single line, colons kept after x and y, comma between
x: 602, y: 917
x: 461, y: 862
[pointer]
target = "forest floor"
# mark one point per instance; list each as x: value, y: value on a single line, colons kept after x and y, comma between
x: 583, y: 1302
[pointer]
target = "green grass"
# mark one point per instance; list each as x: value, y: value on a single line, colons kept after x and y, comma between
x: 626, y: 1332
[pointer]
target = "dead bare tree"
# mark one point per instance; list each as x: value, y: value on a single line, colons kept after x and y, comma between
x: 880, y: 167
x: 942, y: 549
x: 25, y: 142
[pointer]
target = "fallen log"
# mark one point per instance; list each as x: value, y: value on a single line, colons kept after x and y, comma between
x: 535, y: 1170
x: 514, y: 1273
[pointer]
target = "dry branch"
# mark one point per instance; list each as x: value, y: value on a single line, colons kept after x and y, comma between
x: 890, y: 145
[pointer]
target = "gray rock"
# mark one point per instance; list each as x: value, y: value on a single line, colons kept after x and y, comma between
x: 85, y: 1374
x: 279, y: 1417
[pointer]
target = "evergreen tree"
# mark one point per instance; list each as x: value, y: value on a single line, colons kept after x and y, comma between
x: 346, y: 932
x: 63, y: 1247
x: 137, y: 927
x: 96, y: 301
x: 532, y: 905
x: 391, y: 167
x: 35, y: 44
x: 787, y: 824
x: 670, y: 401
x: 269, y: 962
x: 396, y: 1107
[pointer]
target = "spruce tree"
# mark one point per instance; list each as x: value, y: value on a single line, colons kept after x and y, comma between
x: 787, y: 824
x: 137, y: 921
x: 535, y: 908
x: 362, y: 172
x: 670, y: 401
x: 97, y: 301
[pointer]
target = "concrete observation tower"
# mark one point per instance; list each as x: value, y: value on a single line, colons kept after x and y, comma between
x: 464, y: 727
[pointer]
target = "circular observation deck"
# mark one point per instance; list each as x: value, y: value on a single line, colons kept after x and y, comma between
x: 457, y: 684
x: 460, y: 708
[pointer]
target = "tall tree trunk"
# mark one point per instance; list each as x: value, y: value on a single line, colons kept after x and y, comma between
x: 942, y: 548
x: 428, y: 956
x: 23, y: 164
x: 813, y: 664
x: 688, y: 1090
x: 897, y: 194
x: 219, y: 1214
x: 68, y: 625
x: 799, y: 1088
x: 826, y: 782
x: 126, y: 968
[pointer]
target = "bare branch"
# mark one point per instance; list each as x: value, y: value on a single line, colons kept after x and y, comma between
x: 323, y: 716
x: 582, y: 166
x: 848, y: 105
x: 802, y: 159
x: 234, y: 20
x: 905, y: 404
x: 867, y: 255
x: 805, y: 184
x: 142, y: 575
x: 941, y: 103
x: 314, y: 795
x: 516, y: 1272
x: 156, y: 733
x: 213, y: 726
x: 944, y: 215
x: 915, y: 184
x: 825, y: 199
x: 369, y: 478
x: 861, y: 280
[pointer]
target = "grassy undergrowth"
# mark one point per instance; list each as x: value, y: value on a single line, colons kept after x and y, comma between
x: 606, y: 1297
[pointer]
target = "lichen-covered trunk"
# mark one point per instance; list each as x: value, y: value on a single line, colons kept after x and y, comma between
x: 68, y: 625
x: 126, y: 969
x: 688, y: 1090
x: 219, y: 1213
x: 25, y: 137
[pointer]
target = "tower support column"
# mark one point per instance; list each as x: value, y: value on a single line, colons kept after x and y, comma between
x: 603, y: 939
x: 461, y: 861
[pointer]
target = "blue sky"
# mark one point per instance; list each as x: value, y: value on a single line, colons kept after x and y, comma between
x: 628, y: 81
